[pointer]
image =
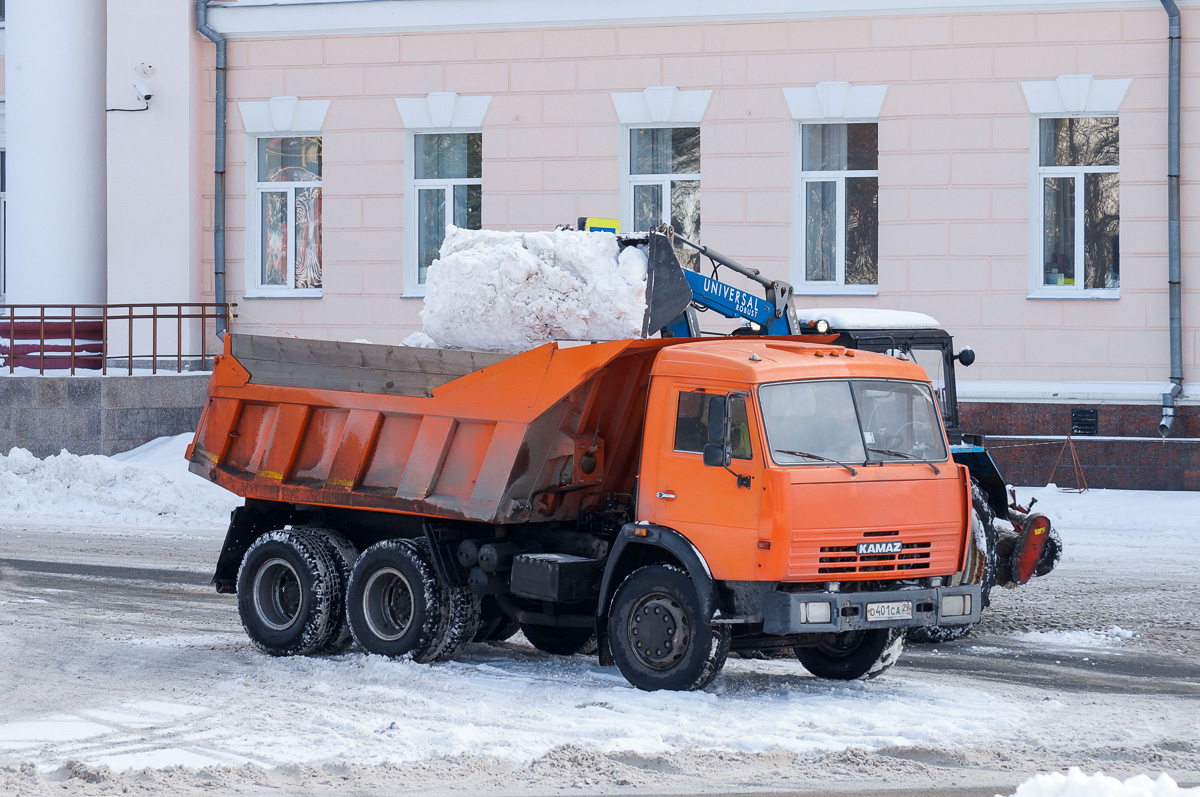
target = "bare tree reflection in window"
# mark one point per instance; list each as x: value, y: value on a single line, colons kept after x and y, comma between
x: 862, y: 230
x: 1102, y: 221
x: 820, y: 230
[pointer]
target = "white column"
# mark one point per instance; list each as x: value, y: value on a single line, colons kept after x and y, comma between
x: 55, y: 82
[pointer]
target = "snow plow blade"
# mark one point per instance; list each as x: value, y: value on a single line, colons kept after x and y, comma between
x: 667, y: 291
x: 1033, y: 550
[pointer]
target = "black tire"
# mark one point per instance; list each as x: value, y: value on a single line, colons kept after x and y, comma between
x: 686, y: 654
x: 983, y: 526
x: 461, y: 611
x: 494, y: 624
x: 394, y: 602
x: 287, y: 589
x: 852, y: 655
x: 343, y: 554
x: 560, y: 641
x: 507, y: 628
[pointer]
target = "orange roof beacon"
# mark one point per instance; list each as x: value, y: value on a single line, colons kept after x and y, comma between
x: 660, y: 501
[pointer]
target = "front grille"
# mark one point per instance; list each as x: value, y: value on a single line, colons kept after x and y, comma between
x: 845, y: 558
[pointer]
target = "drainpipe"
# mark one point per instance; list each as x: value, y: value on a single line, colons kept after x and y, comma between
x: 1174, y: 252
x: 219, y: 169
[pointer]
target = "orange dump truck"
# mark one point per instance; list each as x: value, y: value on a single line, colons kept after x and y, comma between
x: 660, y: 502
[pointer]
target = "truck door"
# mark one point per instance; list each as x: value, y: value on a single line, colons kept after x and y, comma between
x: 704, y: 503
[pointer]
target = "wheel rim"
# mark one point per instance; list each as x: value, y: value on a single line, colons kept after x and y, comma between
x: 388, y: 604
x: 841, y: 645
x: 659, y: 631
x: 277, y: 594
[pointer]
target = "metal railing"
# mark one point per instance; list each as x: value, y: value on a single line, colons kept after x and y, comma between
x: 82, y: 336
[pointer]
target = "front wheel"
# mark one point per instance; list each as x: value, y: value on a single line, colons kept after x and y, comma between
x: 659, y: 638
x: 853, y: 654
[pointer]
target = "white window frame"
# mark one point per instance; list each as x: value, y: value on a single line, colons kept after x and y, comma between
x: 278, y: 117
x: 1037, y: 249
x: 802, y: 179
x: 663, y: 180
x: 412, y: 207
x: 255, y: 288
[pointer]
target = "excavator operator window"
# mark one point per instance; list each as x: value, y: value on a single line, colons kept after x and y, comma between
x: 691, y: 424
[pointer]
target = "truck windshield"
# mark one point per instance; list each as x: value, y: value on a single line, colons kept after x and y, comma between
x: 855, y: 421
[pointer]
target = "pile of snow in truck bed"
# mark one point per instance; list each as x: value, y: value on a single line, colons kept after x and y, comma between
x: 511, y: 291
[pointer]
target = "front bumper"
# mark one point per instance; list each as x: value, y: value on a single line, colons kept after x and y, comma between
x: 786, y: 613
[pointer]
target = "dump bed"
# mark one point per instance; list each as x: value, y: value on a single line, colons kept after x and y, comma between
x: 443, y: 433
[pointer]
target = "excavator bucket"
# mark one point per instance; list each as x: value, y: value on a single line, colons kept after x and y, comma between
x: 667, y: 292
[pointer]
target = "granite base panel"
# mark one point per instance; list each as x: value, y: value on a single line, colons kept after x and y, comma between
x: 1028, y: 443
x: 96, y: 415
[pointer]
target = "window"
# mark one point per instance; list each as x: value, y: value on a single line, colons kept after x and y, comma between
x: 664, y: 182
x: 860, y: 421
x: 839, y: 199
x: 3, y: 222
x: 1078, y: 165
x: 448, y: 181
x: 691, y: 424
x: 288, y: 196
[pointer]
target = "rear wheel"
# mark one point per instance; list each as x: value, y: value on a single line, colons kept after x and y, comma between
x: 393, y: 602
x: 461, y: 610
x: 560, y: 641
x: 658, y: 636
x: 494, y: 624
x: 853, y: 654
x: 287, y: 591
x: 343, y: 556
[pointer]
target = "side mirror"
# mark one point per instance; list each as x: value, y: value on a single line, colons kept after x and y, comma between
x: 966, y: 356
x: 716, y: 420
x: 714, y: 455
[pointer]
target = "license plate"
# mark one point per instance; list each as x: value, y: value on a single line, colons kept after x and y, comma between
x: 898, y: 610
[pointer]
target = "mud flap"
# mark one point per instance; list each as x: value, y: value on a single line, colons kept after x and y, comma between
x: 667, y: 291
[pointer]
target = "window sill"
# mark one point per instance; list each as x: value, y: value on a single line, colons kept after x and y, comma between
x: 1074, y: 293
x: 415, y: 293
x: 287, y: 293
x: 818, y: 289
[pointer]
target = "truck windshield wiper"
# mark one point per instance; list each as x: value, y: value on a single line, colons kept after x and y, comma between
x: 902, y: 455
x: 853, y: 472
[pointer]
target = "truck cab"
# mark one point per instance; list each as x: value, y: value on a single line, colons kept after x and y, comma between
x: 814, y: 481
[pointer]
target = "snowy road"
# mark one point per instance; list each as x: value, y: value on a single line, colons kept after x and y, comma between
x: 123, y: 672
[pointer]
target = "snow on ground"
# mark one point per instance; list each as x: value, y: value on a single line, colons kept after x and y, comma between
x: 150, y: 484
x: 1077, y: 784
x: 511, y: 291
x: 192, y: 691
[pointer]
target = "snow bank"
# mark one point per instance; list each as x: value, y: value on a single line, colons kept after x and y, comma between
x: 511, y: 291
x: 1077, y: 784
x: 148, y: 485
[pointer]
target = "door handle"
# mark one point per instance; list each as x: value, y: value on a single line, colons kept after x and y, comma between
x: 668, y: 496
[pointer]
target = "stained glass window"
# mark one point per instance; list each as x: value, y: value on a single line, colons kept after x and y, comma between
x: 289, y: 191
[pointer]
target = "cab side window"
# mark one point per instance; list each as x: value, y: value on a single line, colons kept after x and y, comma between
x: 691, y: 424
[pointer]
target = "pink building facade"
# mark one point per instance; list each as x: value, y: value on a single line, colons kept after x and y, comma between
x: 1002, y: 171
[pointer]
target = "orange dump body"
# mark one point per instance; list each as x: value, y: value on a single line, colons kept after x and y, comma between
x: 444, y: 434
x: 537, y: 436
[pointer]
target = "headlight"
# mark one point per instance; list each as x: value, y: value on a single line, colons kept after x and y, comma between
x: 956, y: 605
x: 815, y: 613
